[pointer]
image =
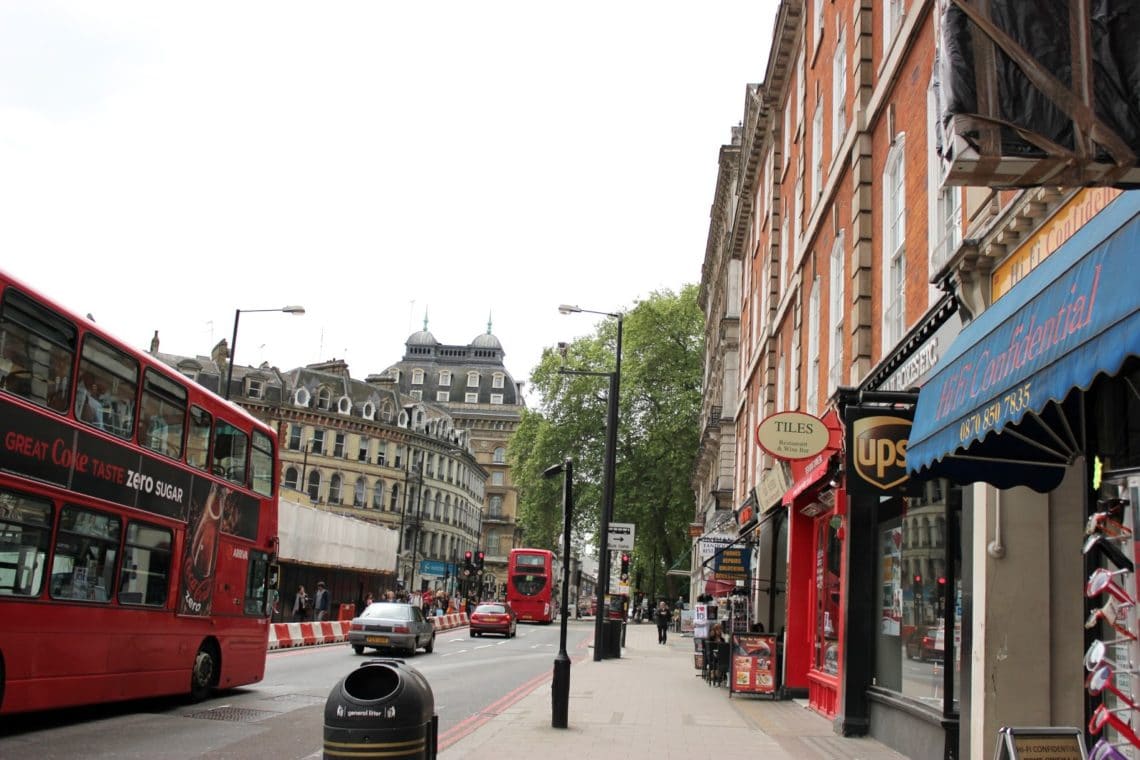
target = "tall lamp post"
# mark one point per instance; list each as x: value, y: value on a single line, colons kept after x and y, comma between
x: 560, y: 684
x: 603, y: 586
x: 295, y: 310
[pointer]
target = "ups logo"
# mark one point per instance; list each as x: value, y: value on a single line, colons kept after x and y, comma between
x: 880, y: 450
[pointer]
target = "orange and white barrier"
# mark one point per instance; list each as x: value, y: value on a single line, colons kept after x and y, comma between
x: 286, y: 635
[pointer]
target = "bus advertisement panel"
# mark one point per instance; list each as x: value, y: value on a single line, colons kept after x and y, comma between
x: 530, y: 584
x: 128, y: 494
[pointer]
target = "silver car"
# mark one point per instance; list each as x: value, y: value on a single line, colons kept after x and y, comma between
x: 392, y: 625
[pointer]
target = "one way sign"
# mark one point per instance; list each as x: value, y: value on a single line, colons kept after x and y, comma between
x: 620, y: 537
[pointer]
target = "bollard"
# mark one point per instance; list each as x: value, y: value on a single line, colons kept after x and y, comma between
x: 383, y: 709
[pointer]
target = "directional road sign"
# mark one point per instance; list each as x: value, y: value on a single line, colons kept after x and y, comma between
x: 620, y: 537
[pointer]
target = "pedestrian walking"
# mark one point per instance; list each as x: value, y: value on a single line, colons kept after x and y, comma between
x: 664, y: 617
x: 300, y: 604
x: 322, y: 601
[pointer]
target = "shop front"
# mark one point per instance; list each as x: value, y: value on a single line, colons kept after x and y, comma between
x: 813, y: 637
x: 1039, y: 397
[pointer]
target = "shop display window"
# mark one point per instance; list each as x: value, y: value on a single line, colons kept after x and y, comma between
x: 829, y: 557
x: 919, y: 593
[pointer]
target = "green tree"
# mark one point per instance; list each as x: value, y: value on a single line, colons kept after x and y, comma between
x: 659, y: 411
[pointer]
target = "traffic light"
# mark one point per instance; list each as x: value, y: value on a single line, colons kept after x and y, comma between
x: 468, y: 568
x: 479, y: 562
x: 625, y: 566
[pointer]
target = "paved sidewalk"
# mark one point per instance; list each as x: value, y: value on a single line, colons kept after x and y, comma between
x: 652, y: 704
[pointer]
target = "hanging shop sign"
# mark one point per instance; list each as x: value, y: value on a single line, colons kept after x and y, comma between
x: 772, y: 486
x: 913, y: 372
x: 876, y: 450
x: 733, y: 564
x: 792, y: 435
x: 712, y: 542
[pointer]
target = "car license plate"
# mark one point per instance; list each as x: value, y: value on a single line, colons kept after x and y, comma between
x: 376, y: 640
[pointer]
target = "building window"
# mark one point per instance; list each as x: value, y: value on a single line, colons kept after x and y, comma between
x: 382, y: 454
x: 945, y: 200
x: 334, y: 489
x: 918, y: 580
x: 493, y: 545
x: 817, y: 149
x: 295, y: 432
x: 443, y: 396
x: 358, y: 492
x: 495, y: 506
x: 445, y: 377
x: 417, y: 394
x: 891, y: 20
x: 786, y: 156
x: 471, y: 398
x: 324, y: 399
x: 496, y: 478
x: 314, y: 486
x: 813, y: 367
x: 417, y: 377
x: 838, y: 89
x: 362, y: 450
x: 817, y: 17
x: 780, y: 383
x: 500, y: 456
x: 378, y: 494
x: 472, y: 379
x: 496, y: 398
x: 835, y: 317
x: 394, y: 502
x: 497, y: 380
x: 797, y: 217
x: 256, y: 388
x: 317, y: 445
x: 894, y: 246
x: 338, y: 445
x: 290, y: 480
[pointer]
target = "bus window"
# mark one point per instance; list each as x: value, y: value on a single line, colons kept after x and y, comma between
x: 261, y: 463
x: 86, y: 549
x: 37, y: 348
x: 198, y: 439
x: 145, y: 578
x: 162, y: 414
x: 105, y: 394
x: 256, y: 585
x: 25, y: 530
x: 231, y: 446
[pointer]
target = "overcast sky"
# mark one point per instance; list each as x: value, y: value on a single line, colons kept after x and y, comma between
x: 164, y: 164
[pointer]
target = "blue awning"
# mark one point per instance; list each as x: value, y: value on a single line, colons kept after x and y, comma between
x: 1011, y: 370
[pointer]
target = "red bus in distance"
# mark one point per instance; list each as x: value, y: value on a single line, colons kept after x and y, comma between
x: 138, y: 520
x: 530, y: 585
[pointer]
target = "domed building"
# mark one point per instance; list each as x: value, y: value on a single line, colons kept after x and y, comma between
x: 473, y: 385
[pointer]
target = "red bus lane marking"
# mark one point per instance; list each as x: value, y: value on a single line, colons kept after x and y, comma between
x: 472, y: 723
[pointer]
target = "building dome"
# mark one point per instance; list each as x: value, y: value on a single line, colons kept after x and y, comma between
x: 422, y: 338
x: 487, y: 340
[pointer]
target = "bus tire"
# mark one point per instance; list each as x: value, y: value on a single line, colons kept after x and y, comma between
x: 204, y: 674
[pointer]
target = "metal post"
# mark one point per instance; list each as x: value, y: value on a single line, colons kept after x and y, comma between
x: 607, y: 499
x: 560, y: 685
x: 233, y: 351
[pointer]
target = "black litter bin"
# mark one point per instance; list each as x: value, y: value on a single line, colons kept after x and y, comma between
x: 611, y: 639
x: 383, y: 709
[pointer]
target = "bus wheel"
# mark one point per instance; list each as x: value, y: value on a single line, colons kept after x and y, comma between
x: 204, y: 674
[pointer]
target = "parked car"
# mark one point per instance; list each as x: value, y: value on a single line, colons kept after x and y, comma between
x: 926, y: 643
x: 493, y: 617
x: 392, y: 625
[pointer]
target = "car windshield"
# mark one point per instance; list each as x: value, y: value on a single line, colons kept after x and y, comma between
x: 491, y: 609
x: 388, y: 610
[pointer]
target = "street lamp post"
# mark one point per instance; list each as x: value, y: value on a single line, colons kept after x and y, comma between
x: 603, y: 585
x: 295, y: 310
x: 560, y: 684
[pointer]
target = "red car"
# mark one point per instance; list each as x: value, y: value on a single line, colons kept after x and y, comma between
x: 493, y: 617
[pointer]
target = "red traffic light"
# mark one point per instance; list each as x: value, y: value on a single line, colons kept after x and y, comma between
x: 918, y: 579
x: 467, y: 556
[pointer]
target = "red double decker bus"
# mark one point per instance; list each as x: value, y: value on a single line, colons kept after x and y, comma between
x: 530, y: 584
x: 138, y: 520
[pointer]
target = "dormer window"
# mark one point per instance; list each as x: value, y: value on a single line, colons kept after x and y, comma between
x: 324, y: 399
x: 417, y: 377
x: 255, y: 388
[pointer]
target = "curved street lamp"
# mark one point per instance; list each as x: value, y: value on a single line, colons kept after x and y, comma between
x: 603, y: 585
x: 295, y: 310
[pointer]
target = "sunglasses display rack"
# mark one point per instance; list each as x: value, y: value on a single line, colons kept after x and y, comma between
x: 1112, y: 660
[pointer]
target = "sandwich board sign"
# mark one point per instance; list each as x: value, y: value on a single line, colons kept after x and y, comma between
x: 620, y: 537
x: 1040, y: 743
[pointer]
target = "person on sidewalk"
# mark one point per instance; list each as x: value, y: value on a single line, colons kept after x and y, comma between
x: 664, y: 617
x: 322, y: 602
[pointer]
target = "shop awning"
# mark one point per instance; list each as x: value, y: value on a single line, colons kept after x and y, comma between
x: 1010, y: 371
x: 714, y: 587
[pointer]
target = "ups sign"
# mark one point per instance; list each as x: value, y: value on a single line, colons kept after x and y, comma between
x: 876, y: 451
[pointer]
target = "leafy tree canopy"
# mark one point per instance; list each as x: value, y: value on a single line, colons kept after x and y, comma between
x: 658, y: 430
